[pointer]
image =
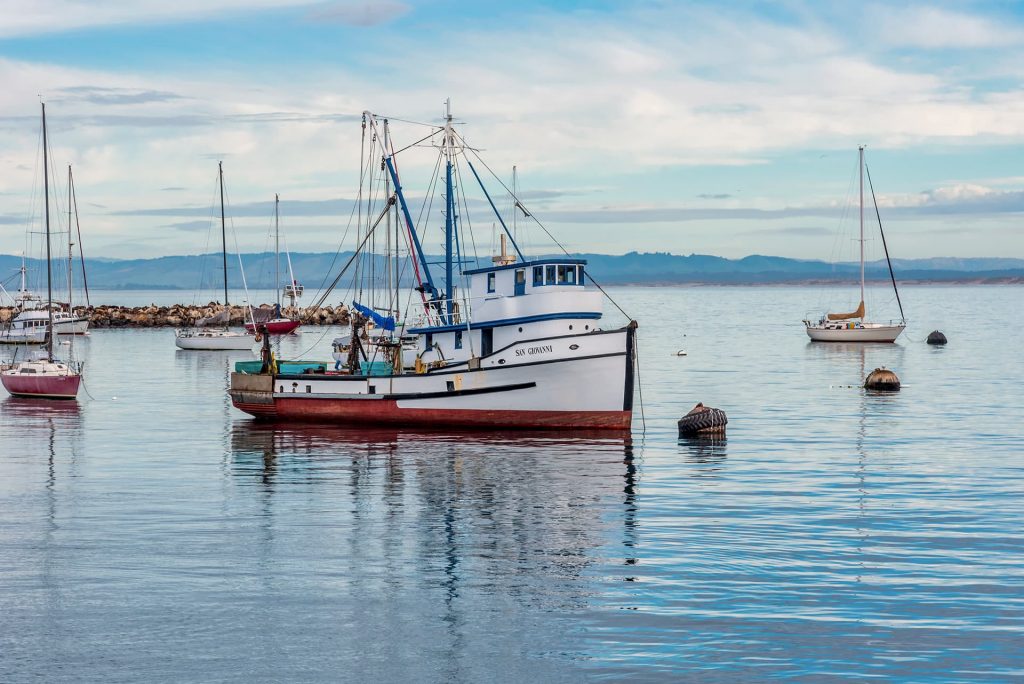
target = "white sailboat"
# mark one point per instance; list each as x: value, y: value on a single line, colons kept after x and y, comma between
x: 854, y: 326
x: 213, y: 333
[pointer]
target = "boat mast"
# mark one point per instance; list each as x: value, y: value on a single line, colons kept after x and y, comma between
x: 861, y: 159
x: 78, y: 230
x: 71, y: 254
x: 449, y: 221
x: 223, y: 232
x: 277, y: 252
x: 49, y: 275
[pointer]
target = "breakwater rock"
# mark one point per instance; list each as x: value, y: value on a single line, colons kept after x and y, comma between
x: 177, y: 315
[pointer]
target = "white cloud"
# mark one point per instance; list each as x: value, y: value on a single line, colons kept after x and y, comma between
x: 930, y: 27
x: 35, y: 17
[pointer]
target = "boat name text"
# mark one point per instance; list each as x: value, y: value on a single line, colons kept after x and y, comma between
x: 534, y: 350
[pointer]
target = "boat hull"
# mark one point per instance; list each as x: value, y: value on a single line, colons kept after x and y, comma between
x: 278, y: 326
x: 74, y: 326
x: 869, y: 332
x: 230, y: 341
x: 42, y: 386
x: 34, y: 336
x: 573, y: 381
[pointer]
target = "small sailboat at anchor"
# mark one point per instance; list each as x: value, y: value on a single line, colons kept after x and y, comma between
x: 277, y: 323
x: 42, y: 375
x: 854, y: 326
x: 212, y: 333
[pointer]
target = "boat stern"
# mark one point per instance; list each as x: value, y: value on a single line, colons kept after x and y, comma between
x: 253, y: 393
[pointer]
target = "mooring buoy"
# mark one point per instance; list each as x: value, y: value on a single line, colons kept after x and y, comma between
x: 936, y: 337
x: 703, y: 420
x: 882, y: 380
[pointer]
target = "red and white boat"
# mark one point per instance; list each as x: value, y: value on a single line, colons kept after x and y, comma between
x: 516, y: 344
x: 42, y: 376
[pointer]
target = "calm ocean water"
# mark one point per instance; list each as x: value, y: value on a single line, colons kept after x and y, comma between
x: 152, y: 533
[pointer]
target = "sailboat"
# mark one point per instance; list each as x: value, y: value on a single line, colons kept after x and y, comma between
x: 42, y: 375
x: 279, y: 324
x: 854, y: 326
x: 29, y: 326
x: 212, y: 333
x: 516, y: 343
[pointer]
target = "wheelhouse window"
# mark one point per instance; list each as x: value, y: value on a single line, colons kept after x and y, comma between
x: 579, y: 278
x: 491, y: 278
x: 538, y: 275
x: 549, y: 274
x: 458, y: 339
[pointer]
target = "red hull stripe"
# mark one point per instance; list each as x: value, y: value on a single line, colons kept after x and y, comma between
x: 387, y: 412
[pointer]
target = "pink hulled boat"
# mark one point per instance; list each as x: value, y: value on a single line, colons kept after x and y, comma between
x: 43, y: 376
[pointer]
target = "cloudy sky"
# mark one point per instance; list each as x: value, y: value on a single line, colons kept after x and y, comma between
x: 718, y: 128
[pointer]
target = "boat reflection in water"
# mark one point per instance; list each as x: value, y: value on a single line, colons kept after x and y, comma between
x: 512, y: 516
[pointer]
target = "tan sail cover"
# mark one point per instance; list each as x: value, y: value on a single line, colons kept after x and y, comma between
x: 859, y: 313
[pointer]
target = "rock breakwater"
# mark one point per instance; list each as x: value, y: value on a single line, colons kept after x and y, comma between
x: 178, y: 315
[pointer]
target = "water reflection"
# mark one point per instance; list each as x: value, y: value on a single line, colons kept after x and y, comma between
x: 493, y: 505
x: 707, y: 454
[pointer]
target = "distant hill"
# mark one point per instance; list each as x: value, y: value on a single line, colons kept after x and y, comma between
x: 657, y: 268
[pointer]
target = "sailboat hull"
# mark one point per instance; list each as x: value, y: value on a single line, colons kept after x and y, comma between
x: 868, y: 332
x: 589, y: 386
x: 213, y: 340
x: 277, y: 326
x: 40, y: 385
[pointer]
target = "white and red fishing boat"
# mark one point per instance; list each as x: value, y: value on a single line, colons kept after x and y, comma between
x: 854, y: 326
x: 277, y: 323
x: 518, y: 343
x: 42, y: 375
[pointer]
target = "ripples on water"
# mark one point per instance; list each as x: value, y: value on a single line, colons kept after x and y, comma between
x: 834, y: 535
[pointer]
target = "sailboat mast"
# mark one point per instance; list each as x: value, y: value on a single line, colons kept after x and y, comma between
x: 223, y: 231
x: 449, y: 228
x: 277, y: 252
x: 49, y: 274
x: 71, y: 254
x: 861, y: 160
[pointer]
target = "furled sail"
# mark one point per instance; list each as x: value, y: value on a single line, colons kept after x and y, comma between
x: 859, y: 313
x: 222, y: 317
x: 385, y: 322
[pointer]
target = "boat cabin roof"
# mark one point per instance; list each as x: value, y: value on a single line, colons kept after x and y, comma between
x: 526, y: 264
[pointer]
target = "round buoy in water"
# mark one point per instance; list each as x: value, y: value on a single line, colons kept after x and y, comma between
x: 883, y: 380
x: 936, y: 337
x: 703, y: 420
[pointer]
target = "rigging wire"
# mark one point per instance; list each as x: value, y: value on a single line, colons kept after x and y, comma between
x: 547, y: 232
x: 884, y: 245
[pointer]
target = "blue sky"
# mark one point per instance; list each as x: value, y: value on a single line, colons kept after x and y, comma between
x: 683, y: 127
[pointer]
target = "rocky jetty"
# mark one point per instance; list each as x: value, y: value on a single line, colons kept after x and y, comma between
x: 177, y: 315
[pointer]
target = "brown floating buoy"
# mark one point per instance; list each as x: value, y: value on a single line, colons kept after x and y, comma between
x: 883, y: 380
x: 703, y: 420
x: 936, y: 337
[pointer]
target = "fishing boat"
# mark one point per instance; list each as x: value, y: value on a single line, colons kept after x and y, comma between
x: 213, y: 333
x: 854, y: 326
x: 277, y: 323
x: 517, y: 343
x: 42, y: 375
